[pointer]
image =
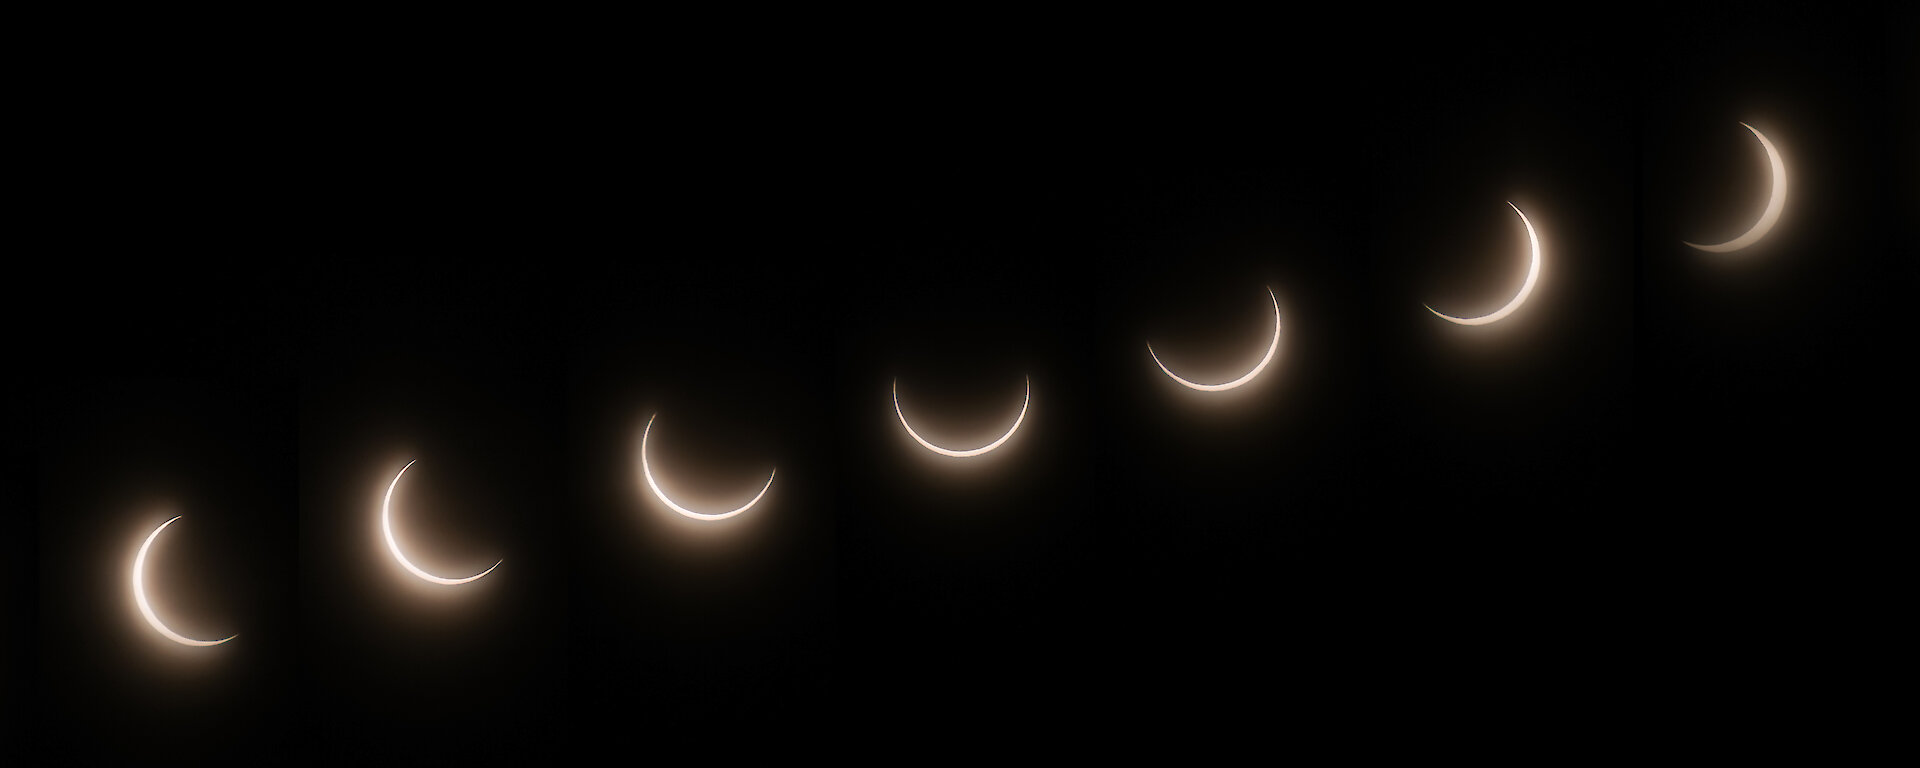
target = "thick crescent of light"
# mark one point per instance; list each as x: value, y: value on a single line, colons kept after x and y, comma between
x: 1271, y: 348
x: 961, y: 454
x: 140, y: 593
x: 647, y: 469
x: 1775, y: 203
x: 1533, y: 276
x: 386, y: 527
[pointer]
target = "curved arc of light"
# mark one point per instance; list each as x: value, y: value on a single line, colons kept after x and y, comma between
x: 386, y: 528
x: 1776, y: 202
x: 647, y: 469
x: 140, y: 593
x: 967, y: 453
x: 1271, y: 349
x: 1533, y: 276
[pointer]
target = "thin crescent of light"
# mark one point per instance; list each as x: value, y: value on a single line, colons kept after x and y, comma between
x: 1271, y: 348
x: 386, y: 527
x: 140, y: 593
x: 1533, y: 276
x: 1776, y: 202
x: 647, y: 469
x: 961, y: 454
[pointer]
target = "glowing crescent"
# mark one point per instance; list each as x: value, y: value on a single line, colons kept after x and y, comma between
x: 386, y: 527
x: 1271, y: 348
x: 1775, y: 203
x: 1533, y: 276
x: 647, y: 469
x: 961, y: 454
x: 140, y: 593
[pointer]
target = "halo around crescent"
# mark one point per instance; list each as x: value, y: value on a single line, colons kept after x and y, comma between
x: 1533, y: 276
x: 967, y: 453
x: 1271, y: 349
x: 386, y: 527
x: 140, y: 593
x: 647, y: 469
x: 1776, y: 202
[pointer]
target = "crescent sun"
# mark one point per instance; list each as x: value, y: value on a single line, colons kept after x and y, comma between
x: 140, y: 593
x: 386, y: 528
x: 1271, y: 349
x: 967, y: 453
x: 647, y: 469
x: 1533, y: 276
x: 1776, y: 202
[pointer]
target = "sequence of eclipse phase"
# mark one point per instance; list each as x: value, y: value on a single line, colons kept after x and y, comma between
x: 1776, y: 202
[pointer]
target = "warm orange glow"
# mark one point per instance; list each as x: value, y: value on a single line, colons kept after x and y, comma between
x: 1533, y: 276
x: 1776, y: 202
x: 140, y: 593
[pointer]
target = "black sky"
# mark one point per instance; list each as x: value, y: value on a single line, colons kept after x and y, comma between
x: 255, y: 298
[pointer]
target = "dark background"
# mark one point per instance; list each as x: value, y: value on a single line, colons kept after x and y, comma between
x: 265, y: 293
x: 1775, y: 394
x: 1508, y: 449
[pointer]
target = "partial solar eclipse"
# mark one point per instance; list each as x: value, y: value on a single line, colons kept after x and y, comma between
x: 1533, y: 276
x: 1776, y: 202
x: 1271, y: 349
x: 647, y: 469
x: 386, y: 528
x: 961, y: 454
x: 140, y: 593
